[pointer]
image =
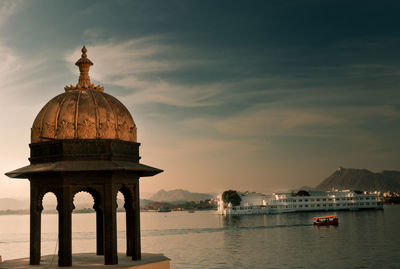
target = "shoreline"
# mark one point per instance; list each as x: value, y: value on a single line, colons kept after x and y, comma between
x: 84, y: 211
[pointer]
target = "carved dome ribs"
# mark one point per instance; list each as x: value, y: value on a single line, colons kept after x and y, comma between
x: 83, y: 111
x: 83, y: 114
x: 107, y: 122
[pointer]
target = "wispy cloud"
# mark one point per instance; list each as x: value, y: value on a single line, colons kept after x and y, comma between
x: 132, y: 57
x: 271, y: 120
x: 9, y: 64
x: 20, y: 76
x: 139, y: 64
x: 7, y: 8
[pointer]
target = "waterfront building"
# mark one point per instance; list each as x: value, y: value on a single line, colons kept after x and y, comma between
x: 257, y: 203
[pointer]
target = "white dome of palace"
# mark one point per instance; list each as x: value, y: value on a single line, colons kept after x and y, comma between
x: 83, y: 111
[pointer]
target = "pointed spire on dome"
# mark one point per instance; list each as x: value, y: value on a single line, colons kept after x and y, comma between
x: 84, y: 80
x: 84, y: 64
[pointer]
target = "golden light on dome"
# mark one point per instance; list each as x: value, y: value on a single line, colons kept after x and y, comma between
x: 84, y: 111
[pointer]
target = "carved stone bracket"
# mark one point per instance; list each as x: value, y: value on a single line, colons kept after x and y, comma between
x: 84, y: 87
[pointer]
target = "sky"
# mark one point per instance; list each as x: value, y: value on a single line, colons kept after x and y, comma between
x: 246, y: 95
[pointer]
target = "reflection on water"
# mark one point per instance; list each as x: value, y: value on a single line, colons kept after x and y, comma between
x: 363, y: 239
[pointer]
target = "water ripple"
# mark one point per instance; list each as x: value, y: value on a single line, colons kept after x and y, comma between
x: 165, y: 232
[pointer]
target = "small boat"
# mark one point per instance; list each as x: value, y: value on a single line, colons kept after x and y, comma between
x: 326, y: 220
x: 191, y: 211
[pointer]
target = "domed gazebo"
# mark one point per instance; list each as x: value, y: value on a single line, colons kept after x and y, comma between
x: 85, y: 140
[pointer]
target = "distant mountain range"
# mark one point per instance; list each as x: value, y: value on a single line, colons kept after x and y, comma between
x: 13, y: 204
x: 178, y: 196
x: 361, y: 179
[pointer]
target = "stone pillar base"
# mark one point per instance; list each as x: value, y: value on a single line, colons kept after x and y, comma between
x: 91, y: 261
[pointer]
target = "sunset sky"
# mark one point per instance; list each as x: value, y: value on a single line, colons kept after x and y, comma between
x: 245, y: 95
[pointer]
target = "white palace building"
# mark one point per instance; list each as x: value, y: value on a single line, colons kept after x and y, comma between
x: 258, y: 203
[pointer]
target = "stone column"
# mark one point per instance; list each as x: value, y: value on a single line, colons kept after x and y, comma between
x: 137, y: 252
x: 110, y: 225
x: 129, y: 224
x: 99, y: 230
x: 35, y: 225
x: 65, y: 208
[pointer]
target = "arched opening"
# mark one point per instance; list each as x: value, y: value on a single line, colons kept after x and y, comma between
x: 121, y: 224
x: 49, y: 227
x: 84, y: 222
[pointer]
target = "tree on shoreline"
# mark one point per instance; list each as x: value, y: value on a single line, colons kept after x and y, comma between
x: 301, y: 193
x: 231, y: 196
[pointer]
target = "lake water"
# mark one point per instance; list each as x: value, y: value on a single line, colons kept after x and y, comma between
x: 364, y: 239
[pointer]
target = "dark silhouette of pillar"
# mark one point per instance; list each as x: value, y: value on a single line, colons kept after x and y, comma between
x: 65, y: 208
x: 99, y: 230
x: 110, y: 226
x: 136, y: 253
x: 129, y: 224
x: 35, y: 226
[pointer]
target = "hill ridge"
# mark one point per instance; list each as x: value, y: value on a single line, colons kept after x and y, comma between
x: 361, y: 179
x: 179, y: 195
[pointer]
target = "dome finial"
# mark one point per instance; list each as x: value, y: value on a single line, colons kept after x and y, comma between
x: 84, y: 80
x: 84, y: 50
x: 84, y: 64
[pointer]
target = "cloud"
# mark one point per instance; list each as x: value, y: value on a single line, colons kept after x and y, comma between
x: 271, y: 120
x: 144, y: 67
x: 132, y: 57
x: 139, y: 65
x: 7, y: 8
x: 177, y: 95
x: 9, y: 64
x: 21, y: 77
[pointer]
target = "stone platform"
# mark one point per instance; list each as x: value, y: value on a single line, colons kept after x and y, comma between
x: 91, y: 261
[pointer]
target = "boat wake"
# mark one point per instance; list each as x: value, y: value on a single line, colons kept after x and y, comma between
x: 166, y: 232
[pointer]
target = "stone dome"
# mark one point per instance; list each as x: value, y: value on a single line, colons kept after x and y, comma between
x: 83, y: 111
